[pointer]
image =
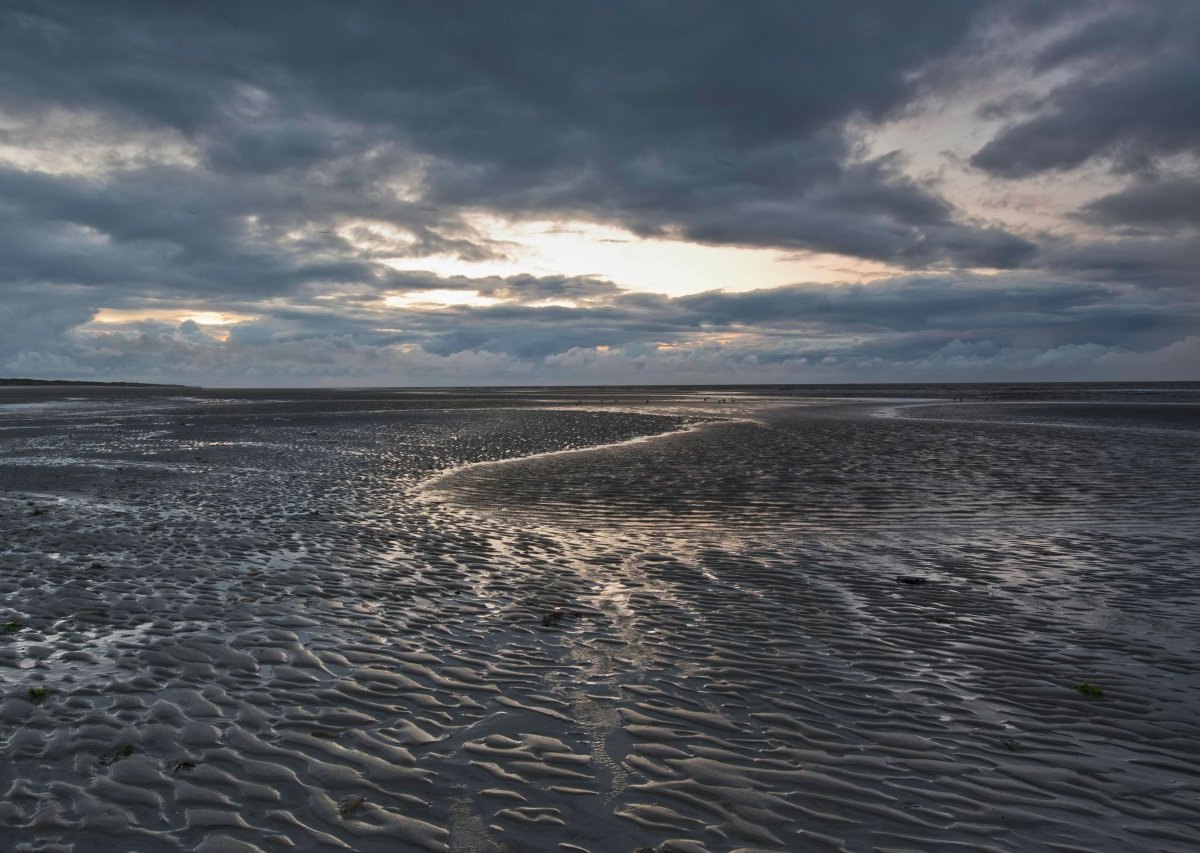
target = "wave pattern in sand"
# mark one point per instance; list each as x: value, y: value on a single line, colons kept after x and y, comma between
x: 262, y: 627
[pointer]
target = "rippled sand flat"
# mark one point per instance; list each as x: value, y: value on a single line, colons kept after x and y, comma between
x: 317, y: 622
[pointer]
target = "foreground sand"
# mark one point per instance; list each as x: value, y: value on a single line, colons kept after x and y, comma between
x: 256, y: 624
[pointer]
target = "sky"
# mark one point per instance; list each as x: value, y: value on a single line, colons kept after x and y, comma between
x: 530, y: 193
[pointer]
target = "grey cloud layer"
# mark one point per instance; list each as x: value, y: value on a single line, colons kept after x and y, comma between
x: 1132, y: 98
x: 936, y: 327
x: 280, y: 153
x: 719, y: 123
x: 1156, y: 205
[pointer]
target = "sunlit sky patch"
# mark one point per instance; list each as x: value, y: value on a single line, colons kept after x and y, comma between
x: 438, y: 299
x: 673, y: 267
x: 202, y: 318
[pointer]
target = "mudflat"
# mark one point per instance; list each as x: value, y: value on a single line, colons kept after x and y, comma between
x: 599, y: 620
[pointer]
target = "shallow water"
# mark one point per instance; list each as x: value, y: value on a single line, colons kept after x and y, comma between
x: 282, y: 603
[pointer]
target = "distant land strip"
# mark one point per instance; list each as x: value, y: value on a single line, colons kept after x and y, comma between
x: 4, y: 381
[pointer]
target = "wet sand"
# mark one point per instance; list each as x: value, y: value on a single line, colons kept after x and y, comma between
x: 578, y: 620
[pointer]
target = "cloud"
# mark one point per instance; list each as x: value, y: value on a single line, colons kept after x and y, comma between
x: 1155, y: 262
x: 284, y: 163
x: 30, y: 321
x: 719, y: 124
x: 1156, y: 205
x: 1130, y: 98
x: 925, y: 325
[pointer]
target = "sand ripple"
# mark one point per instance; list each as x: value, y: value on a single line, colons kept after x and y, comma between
x: 252, y: 627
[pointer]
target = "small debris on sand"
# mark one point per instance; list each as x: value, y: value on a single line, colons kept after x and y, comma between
x: 112, y: 757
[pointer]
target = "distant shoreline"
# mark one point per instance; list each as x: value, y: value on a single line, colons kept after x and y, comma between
x: 79, y: 382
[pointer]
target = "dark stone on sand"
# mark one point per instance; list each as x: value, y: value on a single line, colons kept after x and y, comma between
x: 112, y: 757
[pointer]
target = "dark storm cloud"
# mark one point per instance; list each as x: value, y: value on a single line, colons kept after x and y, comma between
x: 30, y: 321
x: 868, y: 210
x: 173, y: 231
x: 901, y: 304
x: 930, y: 326
x: 1163, y: 204
x: 937, y: 310
x: 1150, y: 263
x: 272, y: 158
x: 142, y: 235
x: 720, y: 123
x: 1132, y: 98
x: 634, y: 71
x: 930, y: 309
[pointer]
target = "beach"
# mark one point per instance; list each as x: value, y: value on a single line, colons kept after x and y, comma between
x: 600, y: 619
